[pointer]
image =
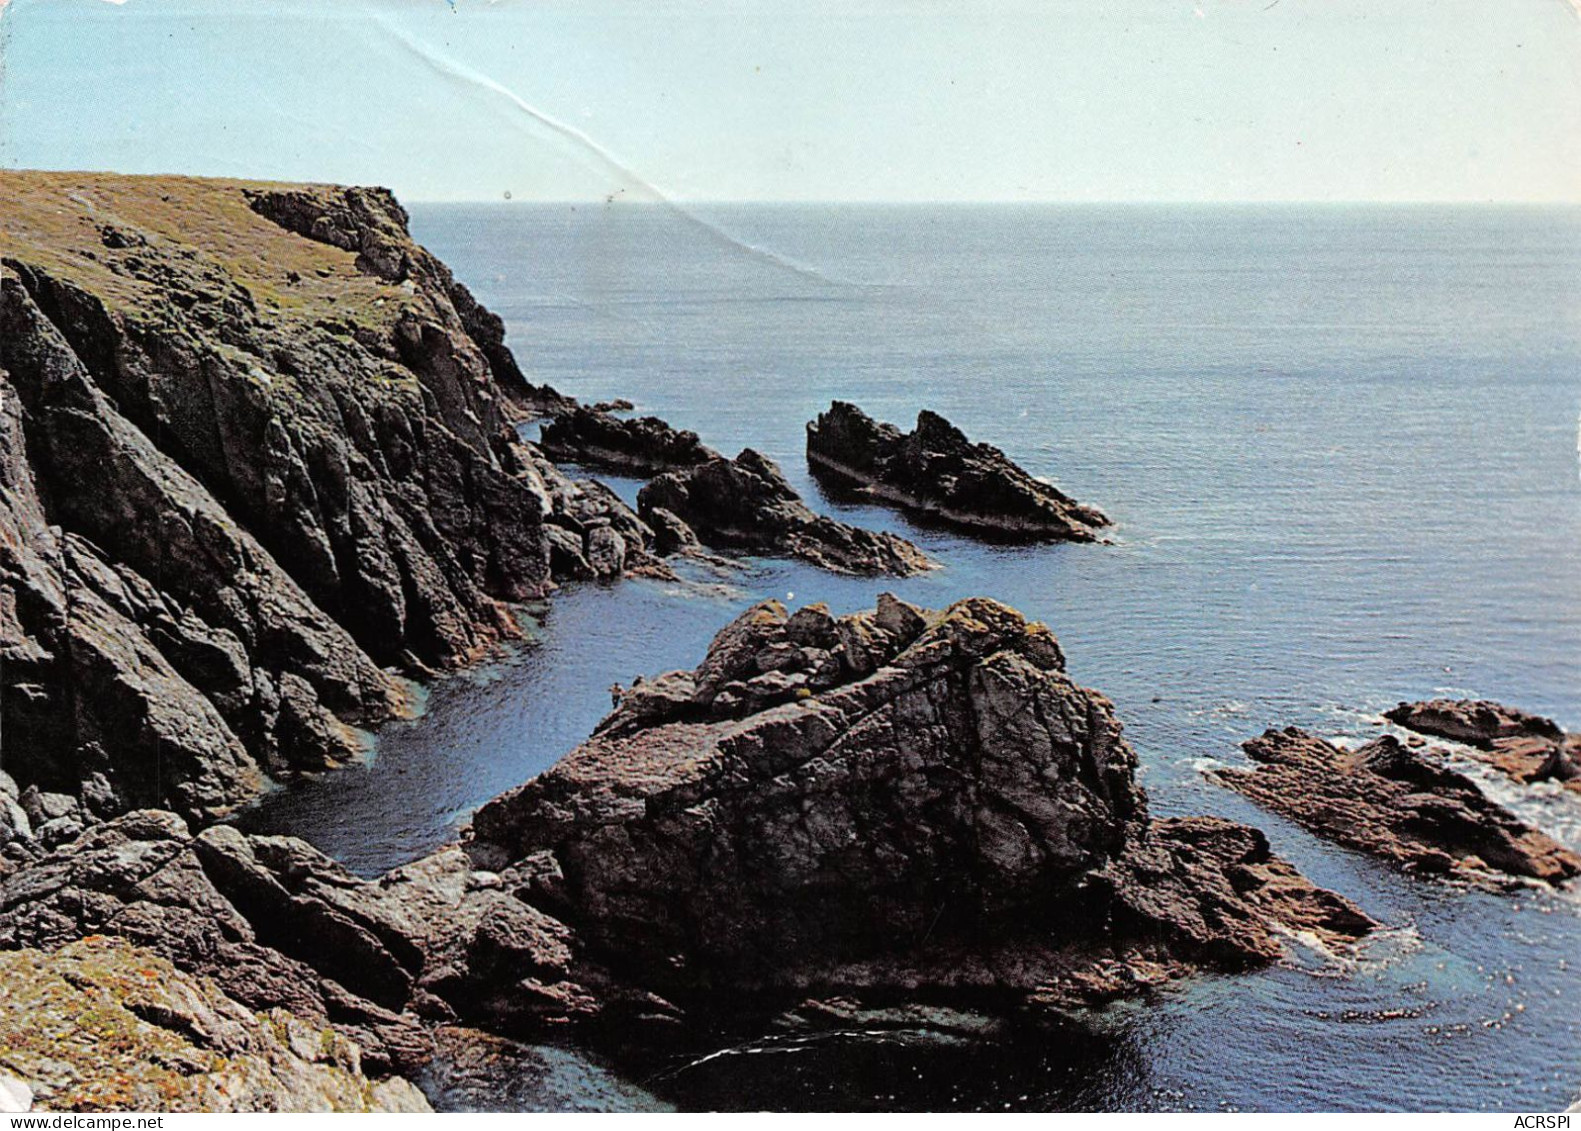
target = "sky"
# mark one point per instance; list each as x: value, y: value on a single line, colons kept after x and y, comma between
x: 860, y: 100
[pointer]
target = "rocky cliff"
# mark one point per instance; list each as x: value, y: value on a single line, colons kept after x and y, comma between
x: 890, y: 808
x: 256, y: 455
x: 901, y: 803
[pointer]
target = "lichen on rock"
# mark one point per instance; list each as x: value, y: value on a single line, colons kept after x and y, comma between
x: 99, y: 1025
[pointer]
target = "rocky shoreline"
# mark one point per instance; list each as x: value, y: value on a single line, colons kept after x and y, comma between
x: 262, y: 466
x: 1527, y: 748
x: 898, y: 806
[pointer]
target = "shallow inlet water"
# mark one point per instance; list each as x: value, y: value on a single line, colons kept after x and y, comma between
x: 1341, y: 445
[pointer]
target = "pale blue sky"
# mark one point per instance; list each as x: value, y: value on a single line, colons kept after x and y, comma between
x: 1172, y: 100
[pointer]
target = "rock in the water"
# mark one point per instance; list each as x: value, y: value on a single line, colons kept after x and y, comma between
x: 746, y: 504
x: 99, y: 1025
x: 592, y: 533
x: 1529, y: 748
x: 936, y: 471
x: 1399, y: 803
x: 643, y: 446
x: 255, y: 447
x: 902, y: 802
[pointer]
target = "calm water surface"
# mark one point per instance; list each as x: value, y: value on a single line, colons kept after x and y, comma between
x: 1341, y: 446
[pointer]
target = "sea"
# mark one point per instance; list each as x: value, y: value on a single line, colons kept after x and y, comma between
x: 1342, y: 449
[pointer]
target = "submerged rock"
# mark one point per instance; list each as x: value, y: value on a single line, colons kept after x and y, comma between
x: 1398, y: 803
x: 747, y: 504
x: 99, y: 1025
x: 899, y: 803
x: 643, y: 446
x: 936, y: 471
x: 1529, y: 748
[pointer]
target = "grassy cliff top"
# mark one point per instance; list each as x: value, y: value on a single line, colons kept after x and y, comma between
x: 116, y: 236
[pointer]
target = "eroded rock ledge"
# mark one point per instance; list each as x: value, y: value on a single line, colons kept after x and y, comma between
x: 1529, y: 748
x: 936, y: 471
x: 1402, y: 804
x: 641, y: 446
x: 898, y: 803
x: 746, y: 504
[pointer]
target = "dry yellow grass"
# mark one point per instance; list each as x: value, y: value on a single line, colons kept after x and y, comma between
x: 57, y: 221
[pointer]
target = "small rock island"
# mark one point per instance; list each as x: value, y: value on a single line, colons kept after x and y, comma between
x: 935, y: 471
x: 641, y: 446
x: 1399, y: 803
x: 746, y: 504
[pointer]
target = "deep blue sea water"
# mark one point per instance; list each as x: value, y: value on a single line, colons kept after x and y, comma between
x: 1341, y: 447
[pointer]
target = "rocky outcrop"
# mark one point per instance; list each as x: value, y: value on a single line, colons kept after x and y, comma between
x: 936, y: 472
x: 371, y: 224
x: 1529, y: 748
x: 256, y: 451
x: 746, y: 504
x: 897, y: 803
x: 642, y: 446
x: 99, y: 1025
x: 276, y: 924
x: 888, y: 807
x: 593, y: 535
x: 1399, y: 803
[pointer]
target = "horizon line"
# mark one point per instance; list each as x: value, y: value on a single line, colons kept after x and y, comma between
x: 689, y: 202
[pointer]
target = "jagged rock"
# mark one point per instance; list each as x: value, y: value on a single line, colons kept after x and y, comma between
x: 1529, y: 748
x: 1399, y: 803
x: 99, y: 1025
x: 592, y: 533
x: 371, y: 223
x: 255, y: 446
x: 642, y: 446
x: 898, y: 802
x: 670, y: 534
x: 746, y: 504
x: 936, y: 471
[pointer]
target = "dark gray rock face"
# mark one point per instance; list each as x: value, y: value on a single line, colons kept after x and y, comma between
x: 935, y: 471
x: 256, y: 450
x: 146, y: 638
x: 746, y: 504
x: 1398, y: 803
x: 642, y: 446
x: 899, y: 802
x: 592, y: 534
x: 1529, y: 748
